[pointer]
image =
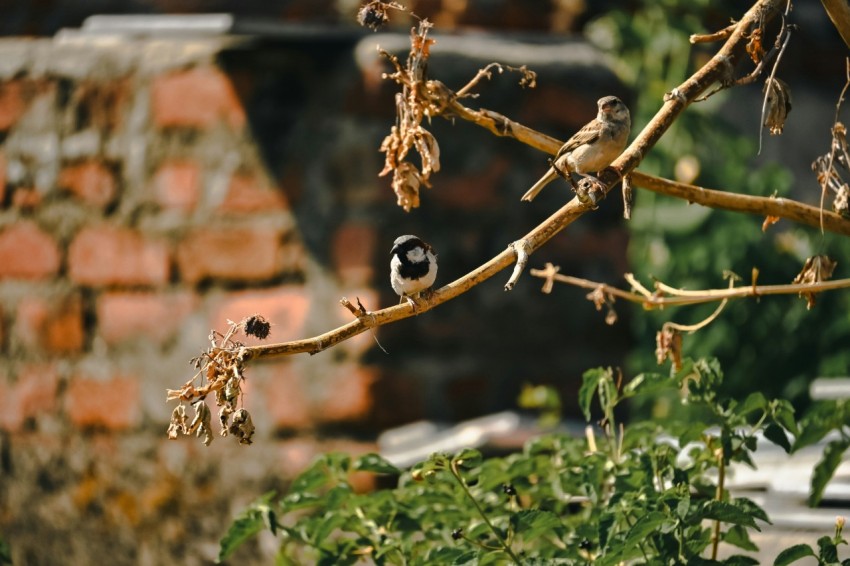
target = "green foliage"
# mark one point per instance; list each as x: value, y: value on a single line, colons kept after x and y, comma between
x: 646, y: 493
x: 774, y: 345
x: 827, y: 554
x: 5, y: 553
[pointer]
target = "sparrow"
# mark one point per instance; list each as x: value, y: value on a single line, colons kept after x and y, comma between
x: 592, y: 148
x: 413, y: 267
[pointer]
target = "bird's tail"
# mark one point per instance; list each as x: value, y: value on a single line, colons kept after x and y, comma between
x: 550, y: 176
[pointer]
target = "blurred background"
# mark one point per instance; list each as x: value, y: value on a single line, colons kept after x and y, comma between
x: 167, y: 166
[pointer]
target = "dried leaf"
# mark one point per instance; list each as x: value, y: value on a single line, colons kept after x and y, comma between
x: 841, y: 203
x: 768, y: 221
x: 201, y: 422
x: 816, y: 269
x: 178, y: 422
x: 778, y: 105
x: 755, y: 49
x: 242, y: 426
x: 668, y: 344
x: 406, y: 183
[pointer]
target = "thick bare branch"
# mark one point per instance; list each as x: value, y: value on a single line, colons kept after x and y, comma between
x: 839, y: 13
x: 715, y: 70
x: 760, y: 206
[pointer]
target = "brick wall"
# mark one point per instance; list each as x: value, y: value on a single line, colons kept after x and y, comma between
x: 153, y: 189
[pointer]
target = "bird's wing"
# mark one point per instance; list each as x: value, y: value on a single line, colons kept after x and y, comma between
x: 587, y: 135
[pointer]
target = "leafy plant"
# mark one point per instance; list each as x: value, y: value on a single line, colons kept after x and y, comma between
x: 651, y: 492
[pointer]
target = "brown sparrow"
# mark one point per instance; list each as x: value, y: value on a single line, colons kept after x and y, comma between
x: 592, y: 148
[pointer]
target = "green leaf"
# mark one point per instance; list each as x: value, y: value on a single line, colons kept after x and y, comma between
x: 739, y: 536
x: 752, y: 509
x: 648, y: 524
x: 589, y: 385
x: 534, y: 523
x: 783, y: 413
x: 647, y: 383
x: 825, y: 469
x: 754, y: 402
x: 449, y: 555
x: 728, y: 513
x: 5, y: 553
x: 740, y: 560
x: 468, y: 458
x: 793, y: 554
x: 374, y: 463
x: 250, y: 522
x: 828, y: 550
x: 776, y: 434
x: 818, y: 421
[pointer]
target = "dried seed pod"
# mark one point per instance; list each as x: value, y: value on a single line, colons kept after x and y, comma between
x: 373, y: 15
x: 778, y: 105
x: 256, y: 325
x: 816, y: 269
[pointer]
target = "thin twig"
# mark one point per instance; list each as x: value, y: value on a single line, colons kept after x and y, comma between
x: 832, y: 147
x: 520, y: 247
x: 650, y: 301
x: 712, y: 37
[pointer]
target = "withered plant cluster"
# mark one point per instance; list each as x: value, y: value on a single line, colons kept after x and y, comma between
x: 421, y: 98
x: 220, y: 373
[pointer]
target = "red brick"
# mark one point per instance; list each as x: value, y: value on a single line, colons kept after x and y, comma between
x: 2, y: 177
x: 345, y: 394
x: 107, y: 255
x: 247, y: 193
x: 353, y: 252
x: 13, y: 103
x: 90, y: 181
x: 195, y: 98
x: 243, y: 254
x: 26, y: 198
x: 32, y: 394
x: 477, y: 190
x: 177, y: 184
x: 112, y: 404
x: 51, y: 325
x: 286, y: 308
x: 281, y: 394
x: 156, y: 317
x: 26, y: 252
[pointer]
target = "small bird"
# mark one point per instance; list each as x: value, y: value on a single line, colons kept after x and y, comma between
x: 413, y: 267
x: 592, y: 148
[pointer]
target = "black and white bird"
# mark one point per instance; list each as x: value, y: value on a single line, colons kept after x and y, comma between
x: 413, y: 267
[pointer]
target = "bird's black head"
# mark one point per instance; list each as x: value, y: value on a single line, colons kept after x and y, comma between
x: 404, y: 244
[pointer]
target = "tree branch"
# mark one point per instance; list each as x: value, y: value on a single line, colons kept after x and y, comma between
x: 760, y: 206
x: 717, y: 69
x: 695, y: 297
x: 839, y: 13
